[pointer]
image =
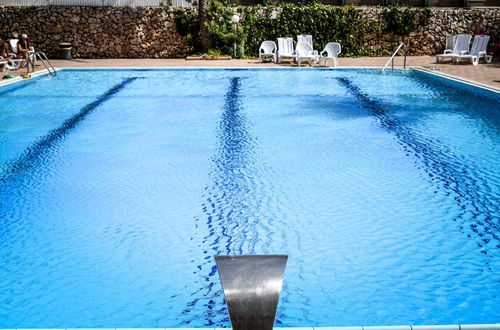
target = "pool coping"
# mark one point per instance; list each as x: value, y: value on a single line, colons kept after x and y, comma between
x: 419, y: 68
x: 390, y: 327
x: 5, y: 82
x: 457, y: 78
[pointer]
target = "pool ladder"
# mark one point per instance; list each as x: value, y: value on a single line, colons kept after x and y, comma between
x: 45, y: 61
x: 391, y: 60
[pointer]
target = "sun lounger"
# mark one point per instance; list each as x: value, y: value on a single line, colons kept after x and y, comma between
x: 332, y: 49
x: 285, y: 49
x: 450, y: 43
x: 477, y: 51
x: 13, y: 45
x: 31, y: 53
x: 267, y: 49
x: 11, y: 64
x: 461, y: 46
x: 304, y: 51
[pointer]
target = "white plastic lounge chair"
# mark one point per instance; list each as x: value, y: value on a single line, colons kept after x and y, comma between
x: 267, y: 49
x: 304, y: 51
x: 11, y: 64
x: 285, y: 49
x: 13, y: 52
x: 305, y: 38
x: 477, y: 51
x: 461, y: 46
x: 332, y: 49
x: 3, y: 65
x: 22, y: 62
x: 13, y: 45
x: 450, y: 43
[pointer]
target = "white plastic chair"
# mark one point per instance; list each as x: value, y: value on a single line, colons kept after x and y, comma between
x: 267, y: 48
x: 305, y: 38
x: 461, y: 46
x: 332, y: 50
x: 285, y: 49
x: 304, y: 51
x: 477, y: 51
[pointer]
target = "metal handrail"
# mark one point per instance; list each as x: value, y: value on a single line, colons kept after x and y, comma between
x: 45, y: 61
x: 391, y: 60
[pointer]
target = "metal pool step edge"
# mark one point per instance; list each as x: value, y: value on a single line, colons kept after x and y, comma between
x: 390, y: 327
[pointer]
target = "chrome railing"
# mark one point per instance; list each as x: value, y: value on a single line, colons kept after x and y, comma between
x: 391, y: 60
x: 46, y: 63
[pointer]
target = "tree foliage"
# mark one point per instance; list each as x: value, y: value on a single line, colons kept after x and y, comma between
x: 403, y: 20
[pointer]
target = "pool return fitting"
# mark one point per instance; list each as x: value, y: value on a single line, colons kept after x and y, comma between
x: 252, y: 286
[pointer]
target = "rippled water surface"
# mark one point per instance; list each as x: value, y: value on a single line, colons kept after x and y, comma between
x: 117, y: 188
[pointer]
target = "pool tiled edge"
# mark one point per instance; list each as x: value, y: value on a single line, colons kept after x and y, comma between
x: 391, y: 327
x: 457, y: 79
x: 5, y: 82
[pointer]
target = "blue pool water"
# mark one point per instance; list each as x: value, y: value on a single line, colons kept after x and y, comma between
x: 117, y: 188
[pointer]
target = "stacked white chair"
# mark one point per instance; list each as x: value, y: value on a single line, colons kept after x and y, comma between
x: 285, y: 49
x: 307, y: 38
x: 304, y: 51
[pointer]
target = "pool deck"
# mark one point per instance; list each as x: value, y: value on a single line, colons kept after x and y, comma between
x: 483, y: 74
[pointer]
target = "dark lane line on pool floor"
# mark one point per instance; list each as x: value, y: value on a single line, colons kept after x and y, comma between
x: 224, y: 193
x: 40, y: 148
x: 452, y: 176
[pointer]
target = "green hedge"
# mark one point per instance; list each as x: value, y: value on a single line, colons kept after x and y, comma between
x: 343, y: 24
x: 325, y: 23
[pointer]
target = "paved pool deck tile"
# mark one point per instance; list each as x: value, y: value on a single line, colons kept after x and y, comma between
x: 391, y: 327
x: 338, y: 328
x: 487, y: 74
x: 436, y: 327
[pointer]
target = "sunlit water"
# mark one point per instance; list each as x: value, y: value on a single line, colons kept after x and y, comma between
x: 118, y: 187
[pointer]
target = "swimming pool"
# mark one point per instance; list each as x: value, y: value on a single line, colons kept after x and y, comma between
x: 117, y: 188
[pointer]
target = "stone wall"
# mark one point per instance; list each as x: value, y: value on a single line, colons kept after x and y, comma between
x: 149, y: 32
x: 429, y: 39
x: 98, y: 32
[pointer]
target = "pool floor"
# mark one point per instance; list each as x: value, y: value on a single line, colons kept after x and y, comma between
x: 118, y: 187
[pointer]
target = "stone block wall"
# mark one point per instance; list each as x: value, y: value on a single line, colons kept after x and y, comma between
x: 430, y: 39
x: 98, y: 32
x: 150, y: 32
